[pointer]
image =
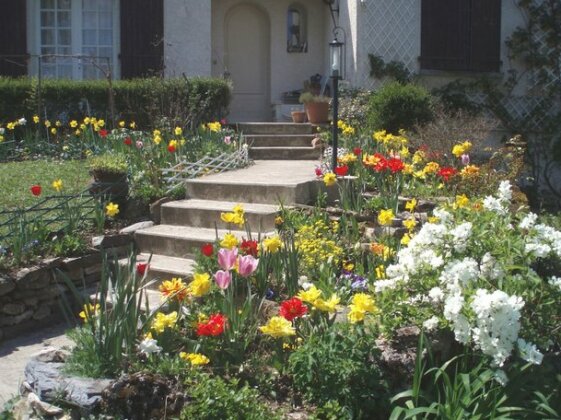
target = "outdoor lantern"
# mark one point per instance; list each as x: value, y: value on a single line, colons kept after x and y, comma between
x: 336, y: 56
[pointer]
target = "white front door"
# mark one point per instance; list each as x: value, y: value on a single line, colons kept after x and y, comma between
x: 247, y: 60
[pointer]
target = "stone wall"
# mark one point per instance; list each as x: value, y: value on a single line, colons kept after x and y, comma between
x: 31, y: 297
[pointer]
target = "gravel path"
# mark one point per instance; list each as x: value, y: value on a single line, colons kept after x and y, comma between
x: 15, y: 353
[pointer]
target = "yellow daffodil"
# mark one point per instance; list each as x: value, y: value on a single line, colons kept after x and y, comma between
x: 405, y: 239
x: 57, y: 185
x: 329, y: 179
x: 380, y: 272
x: 196, y: 359
x: 229, y: 241
x: 410, y: 205
x: 174, y: 288
x: 200, y: 285
x: 385, y: 217
x: 431, y: 168
x: 132, y: 125
x: 461, y: 201
x: 73, y: 124
x: 214, y: 126
x: 469, y: 171
x: 112, y: 209
x: 361, y: 304
x: 461, y: 149
x: 310, y: 295
x: 272, y: 244
x: 410, y: 224
x: 162, y: 321
x: 178, y: 131
x: 53, y: 131
x: 36, y: 119
x: 58, y: 123
x: 278, y: 327
x: 329, y: 305
x: 89, y: 311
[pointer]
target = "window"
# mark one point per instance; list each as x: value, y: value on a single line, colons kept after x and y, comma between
x: 296, y: 29
x: 76, y: 28
x: 461, y: 35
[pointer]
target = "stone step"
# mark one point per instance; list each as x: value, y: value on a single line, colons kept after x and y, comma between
x: 163, y: 268
x: 285, y: 153
x: 178, y: 241
x: 275, y: 128
x: 301, y: 193
x: 206, y: 213
x: 278, y: 140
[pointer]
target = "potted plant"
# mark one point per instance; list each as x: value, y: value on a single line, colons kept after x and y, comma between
x: 109, y: 171
x: 317, y: 107
x: 298, y: 115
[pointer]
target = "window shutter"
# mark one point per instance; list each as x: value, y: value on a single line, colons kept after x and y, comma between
x: 485, y: 42
x: 444, y: 34
x: 142, y: 32
x: 13, y: 38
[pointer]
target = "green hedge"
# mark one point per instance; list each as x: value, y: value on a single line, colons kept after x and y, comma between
x: 146, y: 101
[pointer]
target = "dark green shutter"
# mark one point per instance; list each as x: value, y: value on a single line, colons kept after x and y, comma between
x: 13, y: 38
x: 142, y: 33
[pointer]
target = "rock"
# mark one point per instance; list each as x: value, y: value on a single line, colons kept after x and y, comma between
x: 49, y: 382
x: 51, y: 354
x: 17, y: 319
x: 268, y: 309
x: 6, y: 286
x: 155, y: 207
x: 111, y: 241
x: 143, y: 395
x: 13, y: 308
x: 31, y: 301
x: 75, y: 264
x: 129, y: 230
x: 42, y: 312
x: 43, y: 408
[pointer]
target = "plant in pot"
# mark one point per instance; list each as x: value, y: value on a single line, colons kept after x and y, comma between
x: 110, y: 177
x: 298, y: 115
x: 317, y: 107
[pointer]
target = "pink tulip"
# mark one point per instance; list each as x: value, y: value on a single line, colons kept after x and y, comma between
x: 227, y: 258
x: 228, y: 139
x: 247, y: 265
x: 465, y: 159
x: 223, y: 279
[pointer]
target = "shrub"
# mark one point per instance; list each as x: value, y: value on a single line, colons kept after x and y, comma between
x: 340, y: 366
x: 146, y: 101
x: 397, y: 106
x: 214, y: 398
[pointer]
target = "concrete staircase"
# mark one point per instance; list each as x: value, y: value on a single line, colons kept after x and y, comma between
x: 283, y: 172
x: 274, y: 141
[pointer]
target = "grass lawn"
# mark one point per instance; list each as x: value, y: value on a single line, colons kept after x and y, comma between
x: 16, y: 178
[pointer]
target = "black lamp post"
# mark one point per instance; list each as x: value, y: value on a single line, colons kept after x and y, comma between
x: 336, y: 68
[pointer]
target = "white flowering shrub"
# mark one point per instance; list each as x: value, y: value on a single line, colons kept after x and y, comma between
x: 476, y: 270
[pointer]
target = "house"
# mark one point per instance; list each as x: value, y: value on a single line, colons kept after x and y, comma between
x: 266, y: 47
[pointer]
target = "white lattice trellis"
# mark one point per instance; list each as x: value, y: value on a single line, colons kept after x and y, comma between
x: 391, y: 30
x: 183, y: 171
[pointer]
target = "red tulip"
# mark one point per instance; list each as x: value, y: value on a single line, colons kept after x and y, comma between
x: 141, y: 268
x: 395, y: 165
x: 357, y: 151
x: 342, y: 170
x: 446, y: 173
x: 207, y: 250
x: 249, y: 247
x: 127, y: 141
x: 292, y: 308
x: 36, y: 190
x: 319, y: 172
x: 213, y: 327
x: 171, y: 148
x: 103, y: 132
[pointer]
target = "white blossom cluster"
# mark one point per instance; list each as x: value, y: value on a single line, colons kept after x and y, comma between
x: 489, y: 319
x: 497, y: 320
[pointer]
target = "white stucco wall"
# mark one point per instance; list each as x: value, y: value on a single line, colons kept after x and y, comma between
x: 187, y: 37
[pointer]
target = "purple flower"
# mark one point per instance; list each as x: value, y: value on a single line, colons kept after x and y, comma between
x: 227, y: 258
x: 465, y: 159
x: 359, y: 283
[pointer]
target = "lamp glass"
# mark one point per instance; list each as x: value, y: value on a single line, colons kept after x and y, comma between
x: 336, y: 58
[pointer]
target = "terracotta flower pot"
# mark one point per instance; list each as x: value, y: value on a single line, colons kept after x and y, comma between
x: 317, y: 112
x: 298, y: 116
